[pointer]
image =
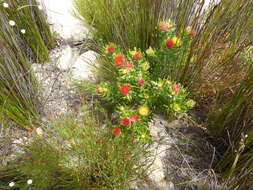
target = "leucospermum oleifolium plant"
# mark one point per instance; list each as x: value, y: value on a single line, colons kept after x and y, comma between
x: 136, y: 96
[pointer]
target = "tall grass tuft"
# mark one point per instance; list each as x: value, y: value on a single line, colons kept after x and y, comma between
x: 18, y: 87
x: 31, y: 26
x: 232, y: 121
x: 129, y: 23
x: 79, y: 154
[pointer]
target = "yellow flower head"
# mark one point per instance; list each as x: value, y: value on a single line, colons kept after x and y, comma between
x: 145, y: 66
x: 144, y: 110
x: 168, y: 82
x: 159, y: 84
x: 150, y: 51
x: 105, y: 90
x: 176, y: 40
x: 190, y: 103
x: 122, y: 108
x: 146, y: 96
x: 176, y: 107
x: 125, y: 71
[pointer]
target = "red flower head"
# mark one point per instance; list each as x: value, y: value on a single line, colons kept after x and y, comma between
x: 116, y: 131
x: 137, y: 56
x: 176, y: 88
x: 141, y: 82
x: 110, y: 48
x: 125, y: 121
x: 125, y: 89
x: 119, y: 59
x: 134, y: 118
x: 169, y: 43
x: 192, y: 34
x: 128, y: 66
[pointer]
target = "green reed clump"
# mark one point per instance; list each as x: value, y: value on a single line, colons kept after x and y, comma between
x: 84, y: 154
x: 18, y: 87
x: 129, y: 23
x: 232, y: 121
x: 31, y: 26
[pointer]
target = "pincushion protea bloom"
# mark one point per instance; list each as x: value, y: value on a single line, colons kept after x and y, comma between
x: 137, y: 56
x: 144, y: 110
x: 169, y: 43
x: 134, y: 118
x: 125, y: 89
x: 116, y: 131
x: 110, y: 48
x: 141, y: 82
x: 119, y: 59
x: 176, y: 107
x: 176, y: 88
x: 128, y: 66
x: 164, y: 26
x: 125, y: 121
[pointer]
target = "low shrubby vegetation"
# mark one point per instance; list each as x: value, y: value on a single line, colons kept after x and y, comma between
x: 176, y: 58
x: 82, y: 153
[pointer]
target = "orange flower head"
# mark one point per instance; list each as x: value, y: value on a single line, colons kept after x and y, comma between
x: 119, y: 59
x: 176, y: 88
x: 125, y: 89
x: 110, y: 48
x: 137, y: 56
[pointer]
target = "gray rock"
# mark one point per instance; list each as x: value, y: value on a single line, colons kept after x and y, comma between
x: 82, y: 68
x: 182, y: 157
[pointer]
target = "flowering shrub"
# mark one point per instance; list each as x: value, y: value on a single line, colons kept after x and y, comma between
x: 136, y: 96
